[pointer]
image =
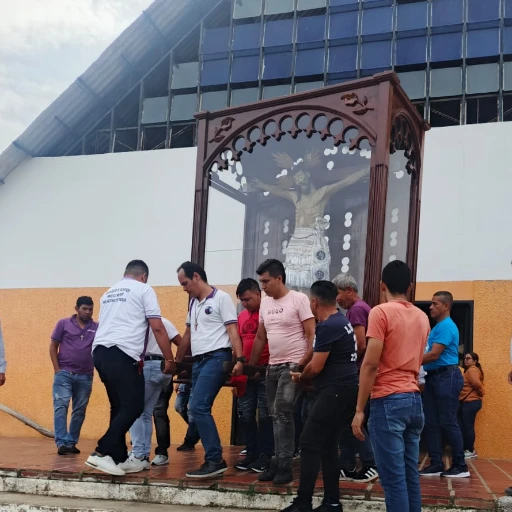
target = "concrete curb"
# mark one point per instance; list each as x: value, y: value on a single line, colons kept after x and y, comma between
x: 164, y: 494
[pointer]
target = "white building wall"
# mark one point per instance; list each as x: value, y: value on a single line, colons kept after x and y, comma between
x: 76, y: 221
x: 466, y: 210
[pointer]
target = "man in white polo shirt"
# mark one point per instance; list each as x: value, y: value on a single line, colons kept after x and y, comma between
x: 155, y: 382
x: 213, y: 337
x: 127, y: 311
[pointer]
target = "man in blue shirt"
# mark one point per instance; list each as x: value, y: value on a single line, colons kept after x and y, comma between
x: 443, y: 385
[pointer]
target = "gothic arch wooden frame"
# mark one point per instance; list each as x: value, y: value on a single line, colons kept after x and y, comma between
x: 374, y: 106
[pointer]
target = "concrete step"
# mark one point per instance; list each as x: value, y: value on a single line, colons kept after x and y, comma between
x: 13, y: 502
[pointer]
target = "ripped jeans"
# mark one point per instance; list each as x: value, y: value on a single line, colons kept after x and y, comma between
x: 282, y: 393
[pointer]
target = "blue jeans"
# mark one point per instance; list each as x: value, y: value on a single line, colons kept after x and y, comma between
x: 395, y: 425
x: 258, y: 435
x: 181, y: 407
x: 155, y: 381
x: 441, y: 402
x: 70, y: 386
x: 208, y: 376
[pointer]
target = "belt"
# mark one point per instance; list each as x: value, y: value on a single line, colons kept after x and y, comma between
x: 154, y: 358
x: 440, y: 370
x: 206, y: 355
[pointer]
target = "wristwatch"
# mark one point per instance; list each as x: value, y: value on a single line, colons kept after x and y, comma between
x: 242, y: 359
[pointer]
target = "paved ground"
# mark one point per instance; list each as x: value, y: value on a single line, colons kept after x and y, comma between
x: 10, y: 501
x: 37, y: 459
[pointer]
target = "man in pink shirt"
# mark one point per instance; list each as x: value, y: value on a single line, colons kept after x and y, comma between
x: 287, y: 322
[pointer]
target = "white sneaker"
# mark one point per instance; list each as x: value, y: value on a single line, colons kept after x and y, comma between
x: 134, y: 465
x: 105, y: 464
x: 470, y: 455
x: 160, y: 460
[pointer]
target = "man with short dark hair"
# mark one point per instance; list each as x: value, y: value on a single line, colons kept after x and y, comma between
x: 288, y: 324
x: 258, y: 435
x: 397, y: 335
x: 128, y: 311
x: 333, y: 371
x: 213, y: 338
x: 70, y: 353
x: 443, y: 385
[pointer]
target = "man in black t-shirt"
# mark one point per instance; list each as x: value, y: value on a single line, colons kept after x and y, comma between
x: 334, y: 375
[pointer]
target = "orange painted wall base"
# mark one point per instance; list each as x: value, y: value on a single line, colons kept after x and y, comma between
x: 29, y: 315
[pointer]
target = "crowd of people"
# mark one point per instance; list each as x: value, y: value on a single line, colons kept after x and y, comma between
x: 357, y: 374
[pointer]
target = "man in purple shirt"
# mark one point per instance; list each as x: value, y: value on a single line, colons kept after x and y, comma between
x: 357, y: 312
x: 71, y: 356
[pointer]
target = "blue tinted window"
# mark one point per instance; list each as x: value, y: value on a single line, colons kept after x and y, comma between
x: 311, y: 29
x: 446, y: 12
x: 412, y: 16
x: 278, y: 33
x: 508, y: 8
x: 342, y: 59
x: 483, y: 43
x: 310, y: 62
x: 411, y: 50
x: 215, y: 72
x: 507, y: 40
x: 277, y: 65
x: 216, y: 40
x: 376, y: 55
x: 483, y: 11
x: 333, y: 3
x: 245, y: 69
x: 377, y: 21
x: 446, y: 47
x: 344, y: 24
x: 246, y: 36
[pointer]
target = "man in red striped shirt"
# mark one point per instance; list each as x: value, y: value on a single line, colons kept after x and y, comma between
x: 258, y: 435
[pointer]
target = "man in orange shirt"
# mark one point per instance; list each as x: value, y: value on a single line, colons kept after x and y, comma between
x: 397, y: 334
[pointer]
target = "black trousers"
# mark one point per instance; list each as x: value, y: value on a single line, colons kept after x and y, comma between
x: 331, y: 416
x: 125, y: 390
x: 162, y: 424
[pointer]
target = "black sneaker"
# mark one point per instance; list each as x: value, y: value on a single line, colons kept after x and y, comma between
x: 327, y: 507
x: 209, y: 469
x: 432, y: 470
x: 296, y: 506
x: 366, y: 474
x: 186, y: 448
x: 456, y: 472
x: 348, y: 476
x: 260, y: 464
x: 269, y: 474
x: 508, y: 491
x: 73, y: 450
x: 63, y: 450
x: 284, y: 475
x: 243, y: 465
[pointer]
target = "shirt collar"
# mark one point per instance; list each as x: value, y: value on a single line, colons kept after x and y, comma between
x: 212, y: 294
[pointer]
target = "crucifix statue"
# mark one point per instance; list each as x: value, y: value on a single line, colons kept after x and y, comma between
x: 307, y: 254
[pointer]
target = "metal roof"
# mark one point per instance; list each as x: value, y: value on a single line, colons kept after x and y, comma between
x: 120, y: 67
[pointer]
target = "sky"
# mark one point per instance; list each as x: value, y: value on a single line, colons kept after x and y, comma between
x: 45, y: 45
